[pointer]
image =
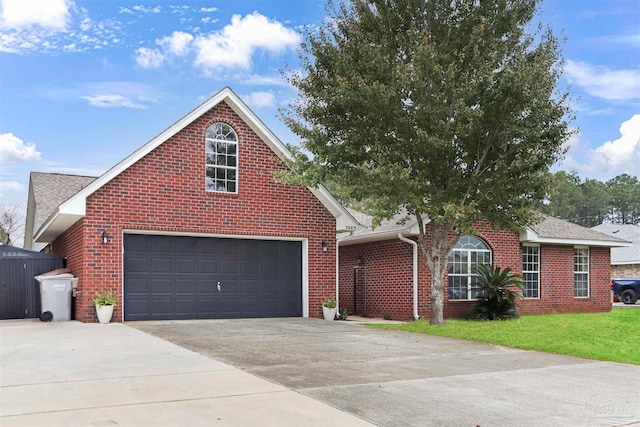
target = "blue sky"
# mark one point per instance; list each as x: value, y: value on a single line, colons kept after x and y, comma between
x: 85, y: 83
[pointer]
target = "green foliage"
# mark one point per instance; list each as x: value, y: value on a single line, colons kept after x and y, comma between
x: 499, y: 292
x: 105, y: 298
x: 444, y: 109
x: 592, y: 202
x: 612, y: 336
x: 343, y: 314
x: 329, y: 302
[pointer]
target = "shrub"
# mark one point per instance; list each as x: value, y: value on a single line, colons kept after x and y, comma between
x: 329, y: 302
x: 499, y: 290
x: 106, y: 298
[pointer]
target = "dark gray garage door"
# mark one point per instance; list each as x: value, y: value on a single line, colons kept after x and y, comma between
x: 179, y: 277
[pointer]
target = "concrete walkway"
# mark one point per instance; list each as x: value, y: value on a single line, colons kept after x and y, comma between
x: 74, y: 374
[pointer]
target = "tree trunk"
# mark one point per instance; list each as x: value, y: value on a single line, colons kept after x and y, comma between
x: 436, y: 257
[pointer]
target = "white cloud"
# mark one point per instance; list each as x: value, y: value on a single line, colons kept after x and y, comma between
x: 112, y: 100
x: 260, y: 99
x: 233, y: 46
x: 208, y: 9
x: 621, y: 155
x: 13, y: 149
x: 44, y: 30
x: 49, y: 14
x: 144, y: 9
x: 603, y: 82
x: 149, y: 58
x: 177, y: 43
x: 11, y: 186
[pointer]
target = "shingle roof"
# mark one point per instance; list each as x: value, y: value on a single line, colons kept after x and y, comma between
x: 630, y: 232
x: 51, y: 189
x: 556, y: 228
x: 401, y: 221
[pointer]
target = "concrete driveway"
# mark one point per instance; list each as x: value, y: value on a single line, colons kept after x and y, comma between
x: 401, y: 379
x: 74, y: 374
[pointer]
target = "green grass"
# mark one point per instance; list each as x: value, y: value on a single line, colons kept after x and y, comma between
x: 613, y: 336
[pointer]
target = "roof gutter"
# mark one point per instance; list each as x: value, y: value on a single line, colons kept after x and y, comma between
x: 401, y: 236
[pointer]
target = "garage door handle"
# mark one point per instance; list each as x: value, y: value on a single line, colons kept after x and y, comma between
x: 219, y: 287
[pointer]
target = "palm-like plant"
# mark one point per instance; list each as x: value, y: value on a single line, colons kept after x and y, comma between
x: 498, y: 291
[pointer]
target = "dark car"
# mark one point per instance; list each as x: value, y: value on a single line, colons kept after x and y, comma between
x: 627, y: 290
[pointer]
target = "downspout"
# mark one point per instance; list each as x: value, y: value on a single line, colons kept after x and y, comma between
x: 415, y: 273
x: 338, y: 240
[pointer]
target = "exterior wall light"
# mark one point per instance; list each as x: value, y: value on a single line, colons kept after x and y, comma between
x: 325, y: 246
x: 105, y: 237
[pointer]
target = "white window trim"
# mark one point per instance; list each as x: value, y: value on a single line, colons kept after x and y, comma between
x: 531, y: 271
x: 237, y: 167
x: 582, y: 272
x: 469, y: 276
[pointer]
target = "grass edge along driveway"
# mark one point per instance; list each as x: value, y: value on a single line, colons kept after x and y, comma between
x: 613, y: 336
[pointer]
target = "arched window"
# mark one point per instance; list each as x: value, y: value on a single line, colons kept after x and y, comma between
x: 222, y: 159
x: 465, y: 257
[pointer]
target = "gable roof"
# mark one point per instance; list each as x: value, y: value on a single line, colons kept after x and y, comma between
x: 388, y: 229
x: 46, y: 192
x: 630, y: 232
x: 557, y: 231
x: 548, y: 230
x: 74, y: 208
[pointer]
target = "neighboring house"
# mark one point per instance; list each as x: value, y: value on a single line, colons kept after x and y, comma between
x: 625, y: 262
x: 193, y: 224
x: 565, y: 267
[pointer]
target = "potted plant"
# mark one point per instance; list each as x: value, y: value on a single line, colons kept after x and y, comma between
x: 329, y: 308
x: 104, y: 302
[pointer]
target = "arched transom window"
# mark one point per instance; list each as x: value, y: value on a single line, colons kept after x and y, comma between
x: 222, y: 159
x: 465, y: 257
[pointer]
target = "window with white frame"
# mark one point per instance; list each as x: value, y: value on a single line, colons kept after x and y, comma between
x: 221, y: 159
x: 468, y: 253
x: 581, y: 272
x: 531, y: 271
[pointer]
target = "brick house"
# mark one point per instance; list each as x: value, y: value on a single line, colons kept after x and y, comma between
x: 193, y: 225
x: 566, y: 268
x: 625, y: 261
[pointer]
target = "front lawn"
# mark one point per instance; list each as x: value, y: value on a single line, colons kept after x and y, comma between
x: 613, y: 336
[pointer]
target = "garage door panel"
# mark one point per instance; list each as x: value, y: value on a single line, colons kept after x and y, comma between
x: 135, y: 264
x: 138, y: 285
x: 250, y: 268
x: 160, y: 244
x: 185, y: 266
x: 162, y: 286
x: 186, y: 305
x: 185, y: 246
x: 207, y: 266
x: 162, y: 265
x: 230, y: 267
x: 176, y: 277
x: 208, y: 308
x: 186, y: 286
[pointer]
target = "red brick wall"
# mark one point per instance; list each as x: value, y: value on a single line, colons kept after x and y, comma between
x: 389, y: 262
x: 70, y: 244
x: 385, y: 279
x: 165, y: 191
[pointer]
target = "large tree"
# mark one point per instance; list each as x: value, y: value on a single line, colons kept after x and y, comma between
x: 446, y: 108
x: 624, y: 193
